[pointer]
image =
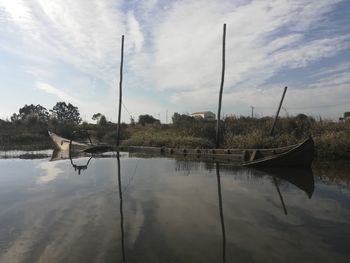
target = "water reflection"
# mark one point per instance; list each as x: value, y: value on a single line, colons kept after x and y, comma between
x: 303, y: 178
x: 79, y: 167
x: 121, y: 209
x: 221, y: 211
x: 51, y: 171
x: 58, y: 155
x: 170, y: 211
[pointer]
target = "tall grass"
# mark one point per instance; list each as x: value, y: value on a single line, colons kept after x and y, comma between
x: 332, y: 139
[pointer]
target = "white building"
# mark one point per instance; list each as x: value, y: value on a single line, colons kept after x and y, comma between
x: 205, y: 115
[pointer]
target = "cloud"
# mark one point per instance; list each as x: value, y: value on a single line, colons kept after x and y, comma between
x: 260, y: 40
x: 84, y: 34
x: 263, y: 39
x: 326, y: 95
x: 135, y: 34
x: 174, y: 46
x: 55, y: 91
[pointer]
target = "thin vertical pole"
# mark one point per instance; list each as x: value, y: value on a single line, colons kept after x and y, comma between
x: 278, y: 112
x: 120, y: 90
x: 221, y: 88
x: 252, y: 107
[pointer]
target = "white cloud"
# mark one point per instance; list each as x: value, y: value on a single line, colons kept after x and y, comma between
x: 328, y: 96
x: 263, y: 38
x: 135, y: 35
x: 85, y: 34
x: 187, y: 42
x: 55, y: 91
x: 173, y: 46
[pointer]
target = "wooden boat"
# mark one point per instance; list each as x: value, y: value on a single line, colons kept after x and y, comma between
x: 298, y: 155
x: 64, y: 144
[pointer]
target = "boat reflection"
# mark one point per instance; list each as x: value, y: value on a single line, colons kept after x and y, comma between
x: 66, y: 154
x: 302, y: 178
x: 80, y: 168
x: 63, y: 155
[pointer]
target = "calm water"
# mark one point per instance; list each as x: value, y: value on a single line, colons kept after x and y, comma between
x: 167, y: 210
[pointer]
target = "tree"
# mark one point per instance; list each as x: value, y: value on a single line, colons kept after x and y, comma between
x: 100, y: 119
x: 103, y: 121
x: 32, y: 112
x: 147, y: 119
x: 96, y: 117
x: 180, y: 120
x: 132, y: 120
x: 15, y: 117
x: 66, y: 113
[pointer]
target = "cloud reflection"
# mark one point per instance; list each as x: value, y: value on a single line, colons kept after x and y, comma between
x: 51, y: 171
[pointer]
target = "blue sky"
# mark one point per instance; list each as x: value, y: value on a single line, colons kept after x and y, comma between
x: 60, y: 50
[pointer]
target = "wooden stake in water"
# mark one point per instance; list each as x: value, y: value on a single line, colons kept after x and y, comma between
x: 278, y: 111
x: 120, y: 90
x: 221, y: 88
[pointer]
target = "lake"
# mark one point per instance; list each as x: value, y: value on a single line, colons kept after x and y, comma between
x: 137, y: 209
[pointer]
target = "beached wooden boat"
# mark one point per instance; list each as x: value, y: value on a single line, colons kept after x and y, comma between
x: 64, y: 144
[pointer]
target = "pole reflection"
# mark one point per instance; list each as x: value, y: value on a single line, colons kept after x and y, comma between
x: 221, y: 211
x: 121, y: 209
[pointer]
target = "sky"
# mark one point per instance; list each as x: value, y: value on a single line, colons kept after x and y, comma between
x: 69, y: 50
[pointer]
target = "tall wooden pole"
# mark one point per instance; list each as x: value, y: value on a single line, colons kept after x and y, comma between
x: 221, y: 88
x: 278, y: 111
x: 120, y: 90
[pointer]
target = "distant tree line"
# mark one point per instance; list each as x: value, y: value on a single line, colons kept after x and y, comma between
x: 61, y: 112
x: 65, y: 113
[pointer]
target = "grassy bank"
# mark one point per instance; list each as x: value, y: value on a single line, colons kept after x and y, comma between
x: 332, y: 139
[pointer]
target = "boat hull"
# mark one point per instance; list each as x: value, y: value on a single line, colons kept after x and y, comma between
x: 299, y: 156
x: 63, y: 144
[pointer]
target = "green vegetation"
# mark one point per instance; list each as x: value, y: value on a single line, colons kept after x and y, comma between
x: 28, y: 130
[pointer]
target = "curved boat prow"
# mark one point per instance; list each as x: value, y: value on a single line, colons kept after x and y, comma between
x: 60, y: 142
x: 301, y: 155
x: 64, y: 144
